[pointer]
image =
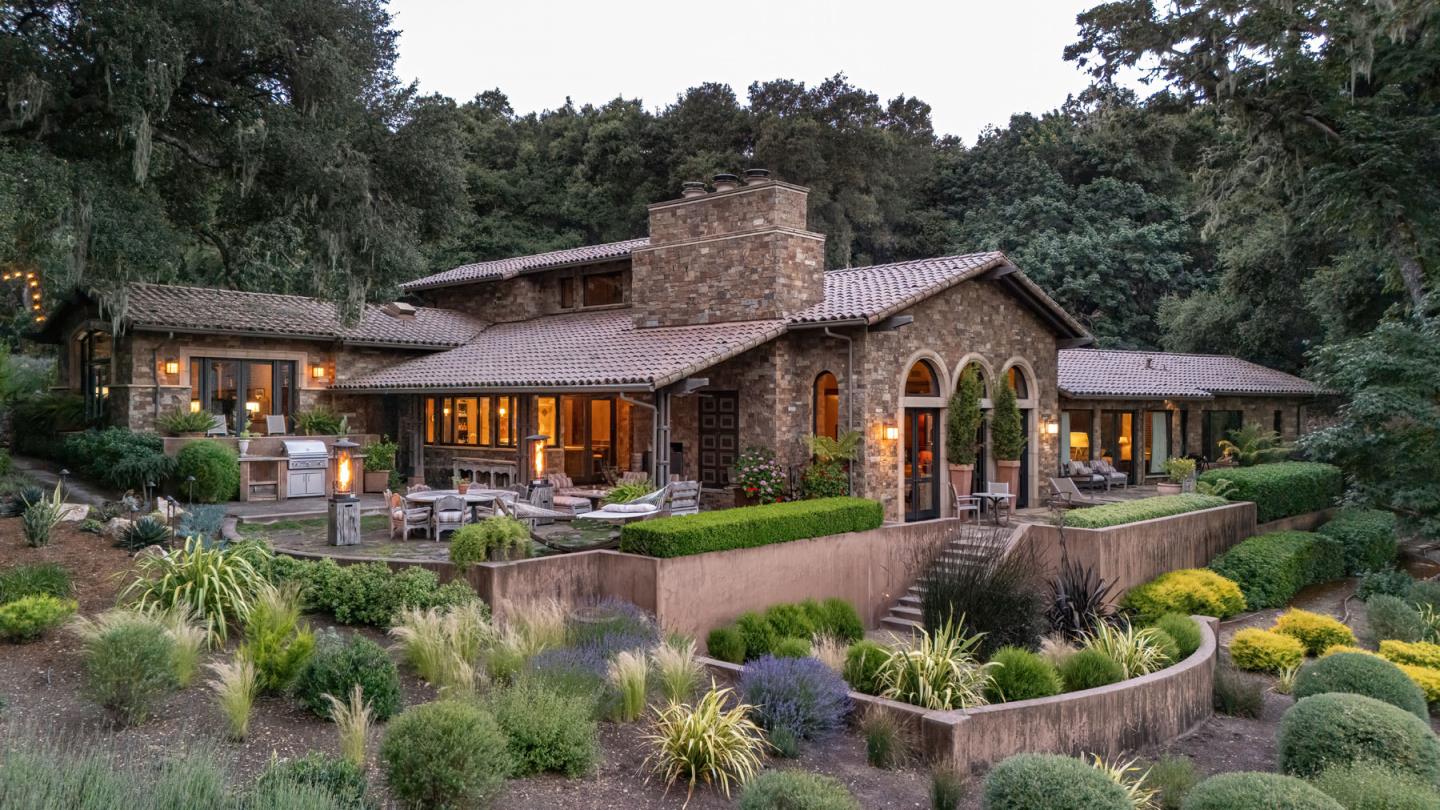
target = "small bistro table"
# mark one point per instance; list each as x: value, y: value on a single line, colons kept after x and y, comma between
x: 474, y: 498
x: 994, y: 499
x: 595, y: 496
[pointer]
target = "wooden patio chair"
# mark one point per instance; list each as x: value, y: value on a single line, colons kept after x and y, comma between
x: 217, y: 426
x: 448, y: 514
x: 685, y: 498
x: 963, y: 505
x: 635, y: 477
x: 405, y: 517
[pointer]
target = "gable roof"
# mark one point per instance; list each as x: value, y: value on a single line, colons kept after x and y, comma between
x: 574, y: 350
x: 1116, y: 373
x: 515, y: 265
x: 166, y: 307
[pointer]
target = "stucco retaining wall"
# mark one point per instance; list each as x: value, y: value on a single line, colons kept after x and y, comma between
x: 1308, y: 522
x: 1149, y: 710
x: 1138, y: 552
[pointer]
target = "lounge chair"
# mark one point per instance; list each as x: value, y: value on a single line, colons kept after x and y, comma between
x: 1063, y: 492
x: 642, y: 508
x: 1083, y: 476
x: 1112, y: 476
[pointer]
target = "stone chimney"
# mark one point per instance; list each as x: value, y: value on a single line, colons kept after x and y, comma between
x: 739, y: 253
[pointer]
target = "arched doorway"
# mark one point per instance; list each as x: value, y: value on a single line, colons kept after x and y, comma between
x: 920, y: 442
x: 1020, y: 381
x: 826, y: 406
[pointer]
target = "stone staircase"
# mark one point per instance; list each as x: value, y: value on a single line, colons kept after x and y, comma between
x: 961, y: 550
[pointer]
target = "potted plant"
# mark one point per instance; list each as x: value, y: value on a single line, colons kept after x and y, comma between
x: 1177, y: 472
x: 462, y: 485
x: 827, y: 475
x: 379, y: 463
x: 243, y: 440
x: 961, y: 427
x: 189, y: 424
x: 1007, y: 438
x: 759, y: 477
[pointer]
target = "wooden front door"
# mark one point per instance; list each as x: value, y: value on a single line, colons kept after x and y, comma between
x: 719, y: 437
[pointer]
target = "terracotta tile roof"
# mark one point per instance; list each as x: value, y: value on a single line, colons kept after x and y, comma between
x: 513, y: 266
x: 1162, y: 375
x: 204, y: 309
x: 572, y: 350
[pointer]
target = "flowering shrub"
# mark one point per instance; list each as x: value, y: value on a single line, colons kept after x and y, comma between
x: 760, y: 475
x: 799, y: 695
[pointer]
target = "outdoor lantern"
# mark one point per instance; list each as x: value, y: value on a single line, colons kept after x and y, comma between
x: 342, y: 470
x: 538, y: 455
x: 172, y: 366
x: 343, y: 527
x: 317, y: 372
x: 194, y: 406
x: 892, y: 433
x: 1052, y: 428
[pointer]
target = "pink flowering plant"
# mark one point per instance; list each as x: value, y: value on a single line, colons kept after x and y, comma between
x: 760, y: 475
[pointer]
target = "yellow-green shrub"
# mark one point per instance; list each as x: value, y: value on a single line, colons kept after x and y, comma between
x: 1317, y: 632
x: 1188, y: 591
x: 1427, y: 678
x: 1265, y: 651
x: 1346, y: 648
x: 1418, y: 653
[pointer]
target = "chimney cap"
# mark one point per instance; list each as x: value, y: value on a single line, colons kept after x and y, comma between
x: 400, y: 310
x: 692, y: 188
x: 726, y: 182
x: 757, y: 175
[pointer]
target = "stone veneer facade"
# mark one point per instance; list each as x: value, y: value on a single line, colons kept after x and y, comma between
x: 737, y: 255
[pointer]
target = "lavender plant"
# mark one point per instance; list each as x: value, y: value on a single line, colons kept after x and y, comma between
x: 799, y: 695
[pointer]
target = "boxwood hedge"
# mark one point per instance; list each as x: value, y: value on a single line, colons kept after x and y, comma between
x: 750, y: 526
x: 1270, y: 568
x: 1118, y: 514
x: 1336, y: 728
x: 1283, y: 489
x: 1367, y: 536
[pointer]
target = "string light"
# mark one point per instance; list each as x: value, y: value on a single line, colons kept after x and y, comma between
x: 30, y: 282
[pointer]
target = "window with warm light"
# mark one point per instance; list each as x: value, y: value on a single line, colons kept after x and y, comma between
x: 827, y: 406
x: 1016, y: 378
x: 922, y: 380
x: 317, y: 372
x: 172, y: 367
x: 478, y: 421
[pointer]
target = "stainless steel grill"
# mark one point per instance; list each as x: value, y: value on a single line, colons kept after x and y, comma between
x: 305, y: 461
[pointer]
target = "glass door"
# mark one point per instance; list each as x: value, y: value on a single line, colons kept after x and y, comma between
x: 602, y: 436
x: 922, y: 484
x: 1157, y: 442
x: 1117, y: 440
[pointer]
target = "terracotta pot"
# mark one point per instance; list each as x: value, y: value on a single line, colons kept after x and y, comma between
x: 462, y: 488
x: 1009, y: 473
x: 1167, y: 488
x: 377, y: 480
x: 962, y: 476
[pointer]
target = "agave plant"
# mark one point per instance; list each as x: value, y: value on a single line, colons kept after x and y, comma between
x: 940, y: 671
x: 1137, y: 651
x: 42, y: 515
x: 706, y: 742
x: 218, y: 585
x: 145, y: 532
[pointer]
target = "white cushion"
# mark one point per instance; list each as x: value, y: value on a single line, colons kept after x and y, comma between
x: 450, y: 515
x: 628, y: 508
x: 570, y: 500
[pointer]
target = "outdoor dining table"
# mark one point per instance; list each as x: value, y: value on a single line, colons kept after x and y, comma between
x: 474, y: 498
x: 994, y: 499
x: 595, y: 496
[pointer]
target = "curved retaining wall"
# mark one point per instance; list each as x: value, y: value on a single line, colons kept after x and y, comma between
x: 1149, y: 710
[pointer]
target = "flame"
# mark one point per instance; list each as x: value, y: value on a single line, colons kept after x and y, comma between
x: 539, y: 459
x: 342, y: 474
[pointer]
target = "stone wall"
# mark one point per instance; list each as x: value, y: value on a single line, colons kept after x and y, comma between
x: 729, y: 256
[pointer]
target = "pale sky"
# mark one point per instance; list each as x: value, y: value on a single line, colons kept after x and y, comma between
x: 974, y: 62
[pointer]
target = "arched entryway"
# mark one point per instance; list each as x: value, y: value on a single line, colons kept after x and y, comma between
x: 920, y: 450
x: 1022, y: 381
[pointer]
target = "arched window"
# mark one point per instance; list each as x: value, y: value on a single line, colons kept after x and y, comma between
x: 921, y: 381
x: 1016, y: 377
x: 827, y: 405
x: 979, y: 371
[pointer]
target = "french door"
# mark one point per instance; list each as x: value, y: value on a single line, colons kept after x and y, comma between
x: 922, y: 480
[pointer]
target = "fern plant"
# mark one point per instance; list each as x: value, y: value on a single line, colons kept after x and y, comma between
x: 826, y: 449
x: 177, y: 423
x: 1251, y: 445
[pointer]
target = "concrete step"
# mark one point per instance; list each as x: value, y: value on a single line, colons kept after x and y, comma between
x: 910, y: 600
x: 899, y: 625
x: 910, y: 612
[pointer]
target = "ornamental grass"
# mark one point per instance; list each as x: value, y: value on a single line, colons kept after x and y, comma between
x: 706, y: 743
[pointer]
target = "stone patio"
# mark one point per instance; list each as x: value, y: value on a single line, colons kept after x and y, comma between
x: 307, y: 535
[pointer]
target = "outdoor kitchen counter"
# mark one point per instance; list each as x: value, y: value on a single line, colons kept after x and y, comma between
x: 262, y: 478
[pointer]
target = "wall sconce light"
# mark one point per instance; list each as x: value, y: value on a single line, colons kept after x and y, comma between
x: 317, y: 372
x: 892, y: 433
x: 1052, y: 428
x: 194, y: 406
x: 172, y: 366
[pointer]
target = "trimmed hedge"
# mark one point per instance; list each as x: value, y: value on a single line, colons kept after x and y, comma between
x: 1271, y: 568
x: 1257, y: 791
x: 1332, y: 729
x: 750, y: 526
x: 1265, y: 651
x: 216, y: 469
x: 1051, y: 782
x: 1367, y: 537
x: 1359, y: 674
x: 1418, y: 653
x: 1373, y: 786
x: 1118, y: 514
x: 1283, y: 489
x: 1189, y: 591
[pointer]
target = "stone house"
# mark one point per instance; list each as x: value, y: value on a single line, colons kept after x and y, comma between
x: 672, y: 353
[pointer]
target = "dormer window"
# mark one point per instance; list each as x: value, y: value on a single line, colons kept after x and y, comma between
x: 593, y: 290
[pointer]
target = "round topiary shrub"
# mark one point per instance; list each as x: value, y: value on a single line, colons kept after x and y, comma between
x: 790, y: 621
x: 841, y: 620
x: 1323, y: 731
x: 1190, y: 591
x: 1257, y: 791
x: 796, y: 790
x: 758, y: 633
x: 1051, y: 782
x: 216, y: 469
x: 862, y: 665
x: 1259, y: 650
x: 791, y: 648
x: 337, y: 666
x: 1393, y: 618
x: 799, y: 695
x: 726, y: 644
x: 449, y: 754
x: 1316, y: 631
x: 547, y: 730
x: 1021, y: 675
x: 1359, y: 674
x: 336, y: 778
x: 1088, y: 669
x: 1185, y: 631
x: 1374, y: 786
